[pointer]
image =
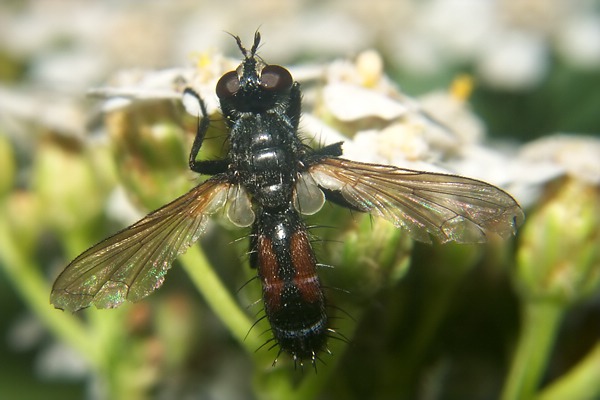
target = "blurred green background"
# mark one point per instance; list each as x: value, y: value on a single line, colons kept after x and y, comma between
x: 423, y: 332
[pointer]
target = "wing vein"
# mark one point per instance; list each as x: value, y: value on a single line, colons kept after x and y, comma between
x: 447, y: 207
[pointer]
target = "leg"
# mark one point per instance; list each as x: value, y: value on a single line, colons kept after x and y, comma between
x: 338, y: 198
x: 332, y: 150
x: 293, y: 110
x: 207, y: 167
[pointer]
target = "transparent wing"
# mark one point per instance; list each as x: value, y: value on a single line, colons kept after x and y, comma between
x: 447, y: 207
x: 133, y: 262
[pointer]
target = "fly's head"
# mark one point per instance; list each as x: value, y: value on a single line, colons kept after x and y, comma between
x: 254, y: 87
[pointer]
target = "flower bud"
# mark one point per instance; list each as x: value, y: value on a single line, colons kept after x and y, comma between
x: 66, y: 184
x: 150, y: 152
x: 372, y: 253
x: 559, y: 254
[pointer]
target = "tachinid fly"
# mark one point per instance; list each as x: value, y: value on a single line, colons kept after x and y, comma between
x: 267, y: 180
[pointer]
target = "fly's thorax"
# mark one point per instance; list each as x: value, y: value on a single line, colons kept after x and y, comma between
x: 265, y: 156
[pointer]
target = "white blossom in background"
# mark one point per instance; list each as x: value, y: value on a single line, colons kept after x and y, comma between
x: 535, y: 164
x: 426, y: 133
x: 576, y: 156
x: 508, y: 42
x: 437, y: 132
x: 515, y: 61
x: 98, y: 38
x: 58, y: 361
x: 579, y: 41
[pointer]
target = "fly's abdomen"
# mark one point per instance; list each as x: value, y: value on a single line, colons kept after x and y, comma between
x: 292, y: 293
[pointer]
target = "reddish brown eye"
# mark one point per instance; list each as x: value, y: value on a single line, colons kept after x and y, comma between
x: 228, y: 85
x: 275, y: 77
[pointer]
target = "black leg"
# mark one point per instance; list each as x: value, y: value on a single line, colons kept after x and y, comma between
x: 333, y: 150
x: 293, y: 110
x: 338, y: 198
x: 206, y: 167
x: 314, y: 156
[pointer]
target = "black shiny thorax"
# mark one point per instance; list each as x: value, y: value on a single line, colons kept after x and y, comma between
x: 265, y: 151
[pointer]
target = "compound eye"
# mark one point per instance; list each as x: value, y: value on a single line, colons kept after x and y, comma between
x: 228, y: 85
x: 276, y: 78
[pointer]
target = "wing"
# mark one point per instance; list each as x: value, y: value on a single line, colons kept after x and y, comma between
x: 447, y: 207
x: 133, y: 262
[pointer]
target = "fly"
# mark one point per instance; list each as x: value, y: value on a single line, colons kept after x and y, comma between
x: 267, y: 180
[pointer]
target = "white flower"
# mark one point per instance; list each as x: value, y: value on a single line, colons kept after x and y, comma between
x: 573, y: 155
x: 514, y: 61
x: 579, y: 41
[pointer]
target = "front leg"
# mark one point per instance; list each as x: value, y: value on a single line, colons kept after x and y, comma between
x: 205, y: 167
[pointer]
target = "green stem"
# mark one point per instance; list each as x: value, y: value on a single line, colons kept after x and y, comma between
x: 441, y: 287
x: 540, y: 322
x: 281, y: 383
x: 580, y: 383
x: 220, y: 300
x: 33, y: 288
